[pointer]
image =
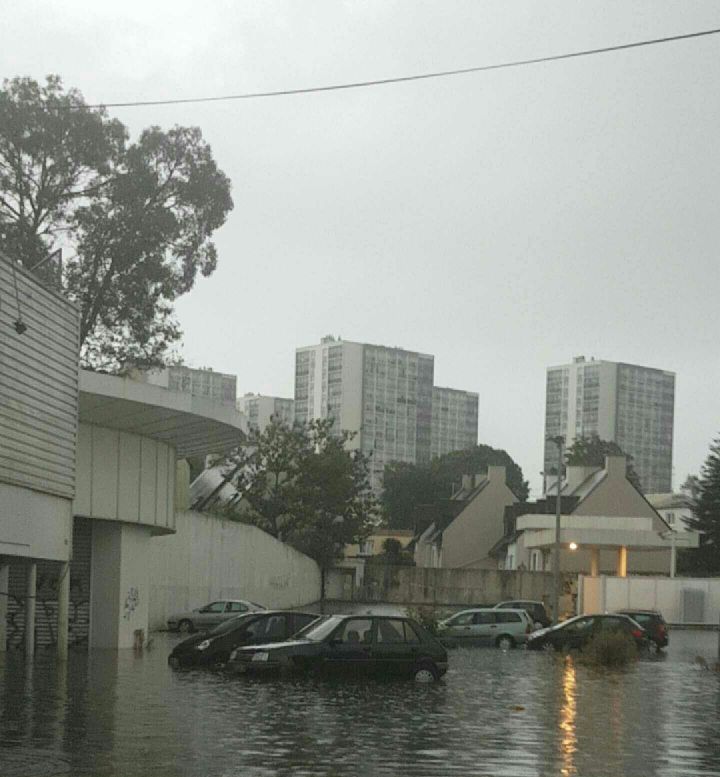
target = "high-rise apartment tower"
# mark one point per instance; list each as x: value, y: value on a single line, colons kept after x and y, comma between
x: 630, y: 405
x: 382, y: 394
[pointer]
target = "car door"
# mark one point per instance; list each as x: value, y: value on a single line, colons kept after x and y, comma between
x: 349, y: 648
x: 210, y: 615
x: 460, y: 628
x: 577, y: 633
x: 484, y: 627
x: 233, y: 609
x: 299, y: 620
x: 391, y: 652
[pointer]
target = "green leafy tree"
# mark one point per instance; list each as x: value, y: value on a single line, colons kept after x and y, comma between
x: 591, y: 451
x: 303, y: 485
x: 706, y: 558
x: 409, y: 486
x: 135, y: 219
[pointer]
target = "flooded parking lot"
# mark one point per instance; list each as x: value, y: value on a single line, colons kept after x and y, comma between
x: 516, y: 713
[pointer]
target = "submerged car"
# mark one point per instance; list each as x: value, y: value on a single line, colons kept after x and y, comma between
x: 211, y: 615
x: 535, y: 609
x: 359, y: 646
x: 655, y: 626
x: 504, y: 628
x: 213, y: 648
x: 575, y: 633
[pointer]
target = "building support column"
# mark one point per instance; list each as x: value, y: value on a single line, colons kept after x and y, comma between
x: 4, y: 601
x: 622, y: 561
x: 30, y: 593
x: 63, y: 611
x: 594, y: 561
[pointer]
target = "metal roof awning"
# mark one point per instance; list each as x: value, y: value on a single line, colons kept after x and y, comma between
x: 192, y: 425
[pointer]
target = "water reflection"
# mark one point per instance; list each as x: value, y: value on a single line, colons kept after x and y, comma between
x: 522, y: 714
x: 568, y: 712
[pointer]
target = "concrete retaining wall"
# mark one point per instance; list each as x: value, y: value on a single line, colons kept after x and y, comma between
x: 457, y: 587
x: 210, y: 558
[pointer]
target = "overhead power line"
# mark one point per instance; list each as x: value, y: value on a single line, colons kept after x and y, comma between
x: 405, y: 79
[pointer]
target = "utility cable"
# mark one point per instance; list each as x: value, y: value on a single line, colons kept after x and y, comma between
x: 403, y: 79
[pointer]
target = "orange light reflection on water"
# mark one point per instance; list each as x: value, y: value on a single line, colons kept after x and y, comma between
x: 568, y: 715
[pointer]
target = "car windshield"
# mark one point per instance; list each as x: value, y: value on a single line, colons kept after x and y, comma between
x: 318, y: 630
x: 231, y: 624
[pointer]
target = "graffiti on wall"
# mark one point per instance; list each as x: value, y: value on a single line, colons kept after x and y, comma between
x: 131, y: 602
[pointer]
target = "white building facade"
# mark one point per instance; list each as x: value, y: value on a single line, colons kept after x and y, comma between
x: 206, y: 383
x: 454, y: 420
x: 382, y: 394
x: 624, y: 403
x: 259, y: 410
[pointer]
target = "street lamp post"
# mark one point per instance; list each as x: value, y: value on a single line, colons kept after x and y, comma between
x: 559, y: 441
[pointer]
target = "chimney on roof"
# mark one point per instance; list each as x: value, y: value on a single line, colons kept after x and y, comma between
x: 616, y: 466
x: 496, y: 474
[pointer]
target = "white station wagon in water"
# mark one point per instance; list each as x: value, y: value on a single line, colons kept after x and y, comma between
x: 210, y: 615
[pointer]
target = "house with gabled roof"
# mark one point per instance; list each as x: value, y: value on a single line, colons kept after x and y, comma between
x: 470, y: 525
x: 607, y: 526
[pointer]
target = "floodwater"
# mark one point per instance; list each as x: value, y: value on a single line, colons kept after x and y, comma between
x: 515, y: 713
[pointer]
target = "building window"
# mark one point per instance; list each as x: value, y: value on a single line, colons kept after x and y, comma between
x: 366, y: 548
x: 670, y: 518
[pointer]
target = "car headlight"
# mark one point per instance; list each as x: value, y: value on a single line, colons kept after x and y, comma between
x: 204, y: 645
x: 260, y: 657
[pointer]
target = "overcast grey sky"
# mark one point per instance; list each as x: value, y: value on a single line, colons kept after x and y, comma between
x: 502, y: 221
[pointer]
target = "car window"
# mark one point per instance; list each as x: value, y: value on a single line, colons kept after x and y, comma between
x: 301, y: 620
x: 256, y: 630
x: 463, y: 619
x: 644, y: 619
x: 231, y: 625
x: 411, y: 635
x: 580, y: 625
x: 612, y: 624
x: 508, y: 617
x: 214, y: 607
x: 390, y: 631
x: 354, y: 630
x: 484, y: 618
x: 236, y: 607
x: 275, y: 627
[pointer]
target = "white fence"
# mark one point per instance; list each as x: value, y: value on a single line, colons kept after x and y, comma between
x: 681, y: 600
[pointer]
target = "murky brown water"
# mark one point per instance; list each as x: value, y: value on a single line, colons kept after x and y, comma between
x: 513, y: 714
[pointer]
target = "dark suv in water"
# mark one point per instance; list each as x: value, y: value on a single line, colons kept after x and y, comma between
x: 654, y: 624
x: 355, y: 645
x: 536, y: 610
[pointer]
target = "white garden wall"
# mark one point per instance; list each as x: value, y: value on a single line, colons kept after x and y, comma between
x: 211, y: 558
x: 682, y: 600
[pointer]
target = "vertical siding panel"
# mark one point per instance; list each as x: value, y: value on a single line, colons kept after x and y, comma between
x: 38, y: 385
x: 129, y: 480
x: 104, y: 472
x: 148, y: 484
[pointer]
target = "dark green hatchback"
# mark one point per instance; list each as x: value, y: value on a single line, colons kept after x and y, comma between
x: 356, y: 645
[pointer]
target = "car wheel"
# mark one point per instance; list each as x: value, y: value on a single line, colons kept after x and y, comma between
x: 537, y: 625
x: 505, y: 642
x: 548, y: 647
x: 185, y: 626
x: 652, y: 647
x: 426, y: 673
